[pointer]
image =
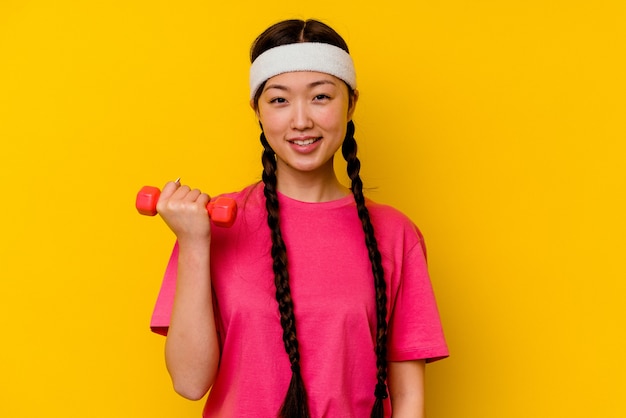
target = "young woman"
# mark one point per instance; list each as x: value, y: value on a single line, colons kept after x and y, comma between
x: 317, y: 302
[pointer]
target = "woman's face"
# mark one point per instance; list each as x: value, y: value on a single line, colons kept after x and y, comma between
x: 304, y: 116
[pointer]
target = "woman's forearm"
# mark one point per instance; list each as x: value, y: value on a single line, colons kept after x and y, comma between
x: 191, y: 348
x: 406, y: 388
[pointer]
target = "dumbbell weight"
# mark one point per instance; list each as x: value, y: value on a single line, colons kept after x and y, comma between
x: 222, y: 210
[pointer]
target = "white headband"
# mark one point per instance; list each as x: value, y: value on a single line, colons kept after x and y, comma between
x: 302, y: 56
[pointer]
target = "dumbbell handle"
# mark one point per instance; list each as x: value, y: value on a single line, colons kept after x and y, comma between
x: 223, y: 210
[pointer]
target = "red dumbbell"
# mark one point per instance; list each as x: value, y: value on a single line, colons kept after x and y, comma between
x: 222, y: 210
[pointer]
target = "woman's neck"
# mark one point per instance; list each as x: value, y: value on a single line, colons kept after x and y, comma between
x: 320, y: 185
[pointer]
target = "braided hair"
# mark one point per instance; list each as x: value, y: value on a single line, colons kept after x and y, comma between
x: 348, y: 151
x: 295, y: 404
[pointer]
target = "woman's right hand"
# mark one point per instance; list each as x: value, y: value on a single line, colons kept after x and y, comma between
x: 184, y: 211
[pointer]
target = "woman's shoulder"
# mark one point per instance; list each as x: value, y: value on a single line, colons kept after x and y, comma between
x: 250, y: 203
x: 389, y: 214
x: 391, y: 224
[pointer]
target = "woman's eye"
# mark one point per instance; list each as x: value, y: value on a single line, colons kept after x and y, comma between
x: 322, y: 97
x: 278, y: 100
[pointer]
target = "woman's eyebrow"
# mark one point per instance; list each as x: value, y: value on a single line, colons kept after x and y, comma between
x: 320, y: 83
x: 277, y: 86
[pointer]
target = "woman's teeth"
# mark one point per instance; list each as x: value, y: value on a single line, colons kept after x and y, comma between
x: 304, y: 142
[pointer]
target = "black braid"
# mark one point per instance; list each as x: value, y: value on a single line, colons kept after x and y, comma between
x: 349, y: 150
x: 295, y: 404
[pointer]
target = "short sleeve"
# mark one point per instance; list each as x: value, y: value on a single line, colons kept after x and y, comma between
x: 162, y: 312
x: 415, y: 330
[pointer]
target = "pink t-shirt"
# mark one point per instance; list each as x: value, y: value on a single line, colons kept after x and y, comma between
x: 333, y: 293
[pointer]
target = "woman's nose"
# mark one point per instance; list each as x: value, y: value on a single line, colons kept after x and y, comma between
x: 301, y: 118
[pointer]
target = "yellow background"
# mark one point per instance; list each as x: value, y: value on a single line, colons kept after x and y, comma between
x: 497, y: 126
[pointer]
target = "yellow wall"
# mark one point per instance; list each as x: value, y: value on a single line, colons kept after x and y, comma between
x: 498, y: 126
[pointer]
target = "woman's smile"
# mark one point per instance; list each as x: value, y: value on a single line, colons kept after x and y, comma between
x: 305, y: 144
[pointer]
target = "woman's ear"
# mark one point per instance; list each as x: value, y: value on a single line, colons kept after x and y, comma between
x: 253, y: 106
x: 353, y: 100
